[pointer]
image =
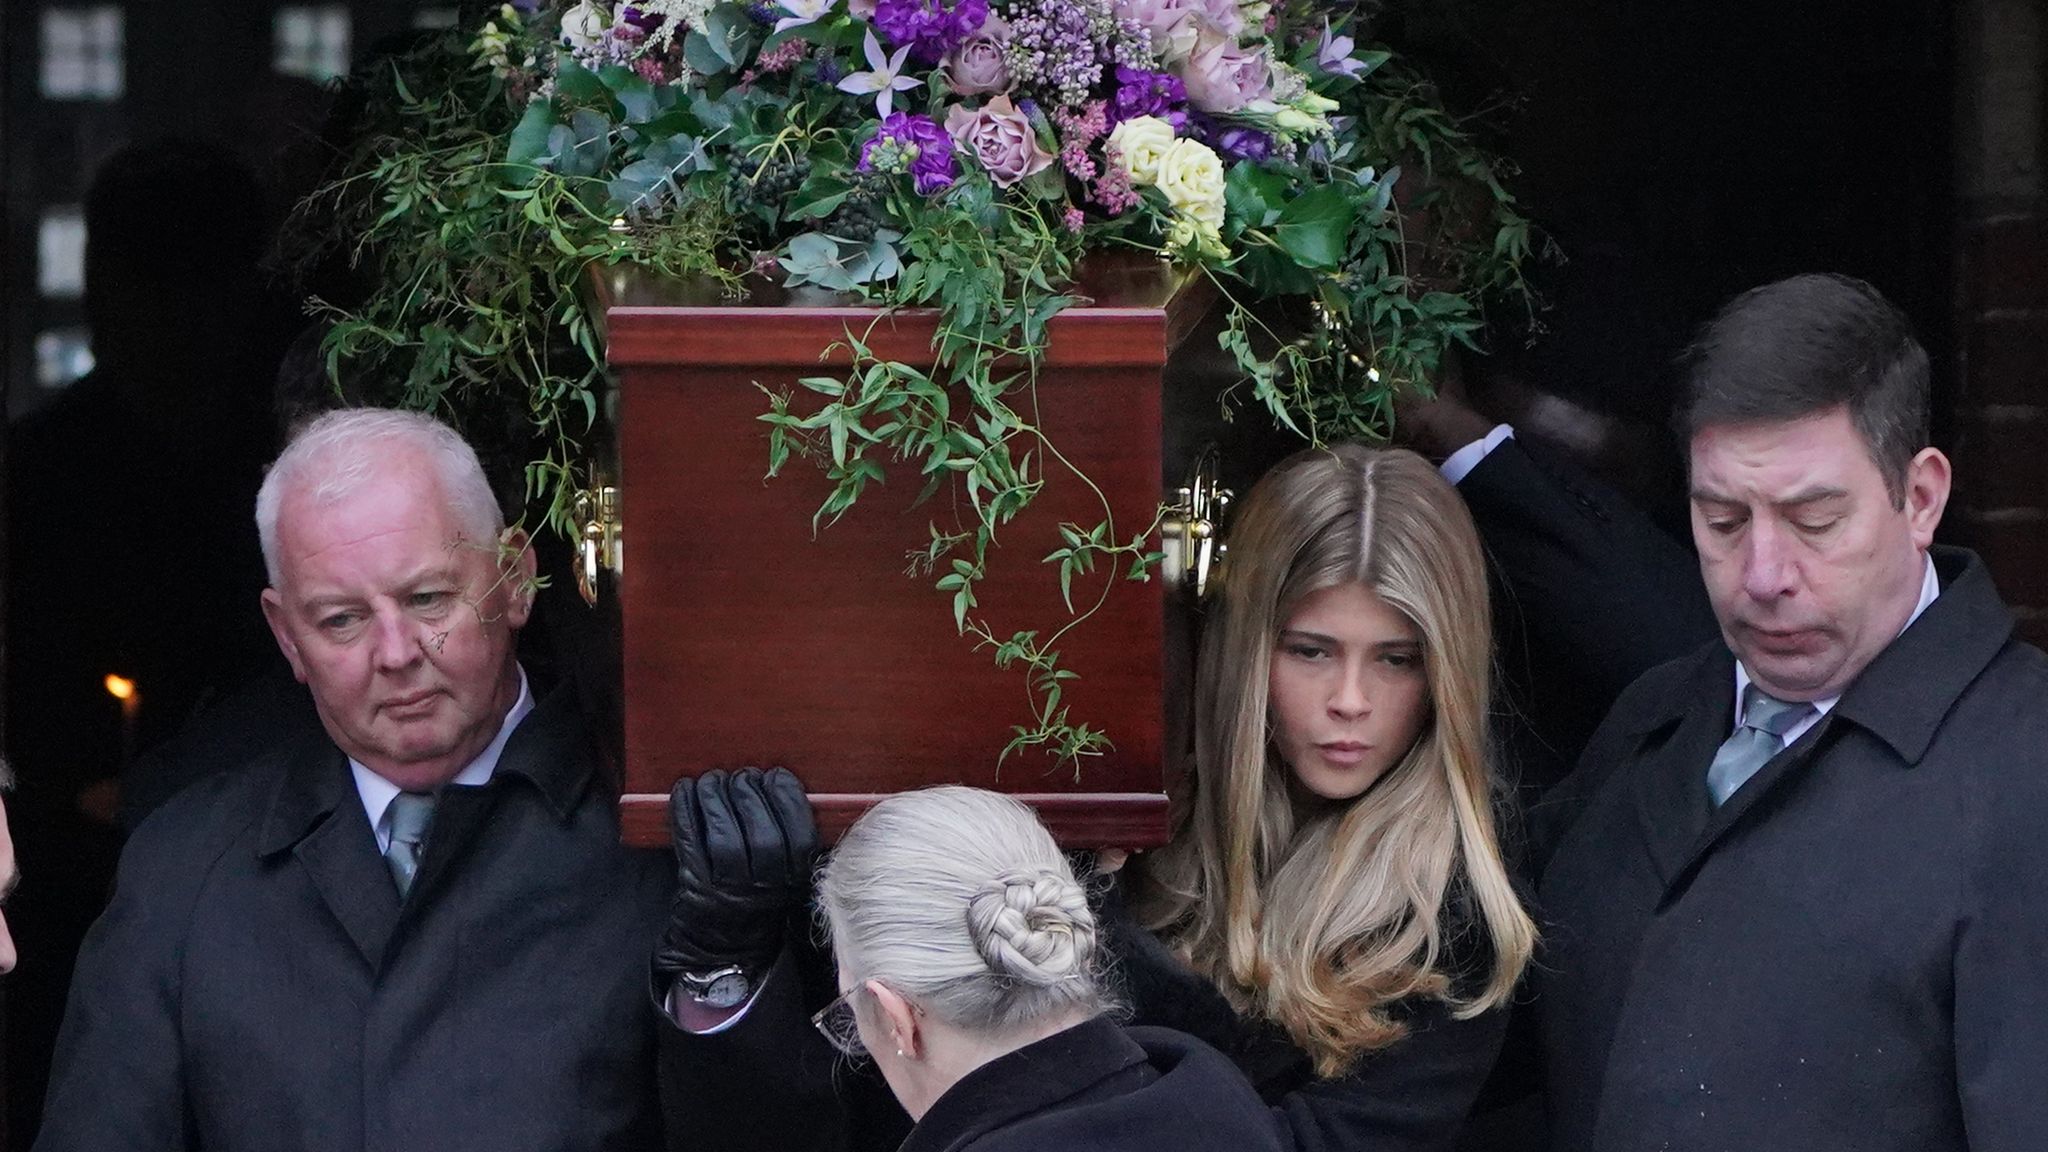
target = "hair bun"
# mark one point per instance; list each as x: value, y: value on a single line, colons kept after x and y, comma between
x: 1033, y: 925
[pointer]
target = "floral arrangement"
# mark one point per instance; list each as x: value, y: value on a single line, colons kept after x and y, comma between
x: 960, y: 155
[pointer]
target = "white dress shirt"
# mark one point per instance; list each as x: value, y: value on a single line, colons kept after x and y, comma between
x: 1930, y: 588
x: 377, y: 792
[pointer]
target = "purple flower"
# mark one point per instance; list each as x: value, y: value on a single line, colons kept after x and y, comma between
x: 1244, y: 144
x: 915, y: 144
x: 1169, y: 23
x: 1333, y: 54
x: 977, y: 67
x: 642, y: 19
x: 931, y: 28
x: 1001, y: 138
x: 1223, y: 77
x: 1143, y: 93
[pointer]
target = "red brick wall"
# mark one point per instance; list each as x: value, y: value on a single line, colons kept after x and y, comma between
x: 2001, y: 419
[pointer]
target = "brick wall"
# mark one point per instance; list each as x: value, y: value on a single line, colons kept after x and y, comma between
x: 2001, y: 416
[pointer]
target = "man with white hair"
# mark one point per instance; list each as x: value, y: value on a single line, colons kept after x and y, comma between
x: 419, y: 931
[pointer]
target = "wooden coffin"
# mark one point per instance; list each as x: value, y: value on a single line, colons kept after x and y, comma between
x: 747, y: 640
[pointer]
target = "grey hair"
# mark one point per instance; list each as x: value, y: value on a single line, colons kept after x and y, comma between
x: 958, y: 899
x: 335, y: 453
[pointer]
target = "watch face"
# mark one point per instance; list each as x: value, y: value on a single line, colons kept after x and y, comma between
x: 726, y: 990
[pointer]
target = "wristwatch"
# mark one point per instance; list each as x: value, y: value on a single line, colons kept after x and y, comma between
x: 727, y: 987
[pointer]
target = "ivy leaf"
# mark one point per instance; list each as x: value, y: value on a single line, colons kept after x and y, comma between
x: 1252, y: 196
x: 1314, y: 225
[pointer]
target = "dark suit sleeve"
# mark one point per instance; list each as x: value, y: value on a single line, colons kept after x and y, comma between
x: 1599, y: 587
x: 1412, y: 1097
x: 2001, y: 966
x: 117, y: 1081
x: 770, y: 1083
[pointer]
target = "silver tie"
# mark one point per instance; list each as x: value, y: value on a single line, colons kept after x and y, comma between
x: 409, y: 815
x: 1765, y: 720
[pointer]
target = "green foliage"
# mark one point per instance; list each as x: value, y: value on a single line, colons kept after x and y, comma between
x: 480, y: 194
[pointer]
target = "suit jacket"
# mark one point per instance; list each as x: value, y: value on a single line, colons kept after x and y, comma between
x: 1588, y: 595
x: 1098, y: 1086
x: 1852, y: 952
x: 258, y: 985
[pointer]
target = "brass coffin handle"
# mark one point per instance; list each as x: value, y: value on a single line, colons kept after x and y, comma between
x: 1192, y: 531
x: 600, y: 537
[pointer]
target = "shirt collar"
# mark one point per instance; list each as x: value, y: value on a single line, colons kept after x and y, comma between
x: 1930, y: 588
x: 377, y: 792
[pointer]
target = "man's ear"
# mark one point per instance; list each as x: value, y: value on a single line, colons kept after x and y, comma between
x: 1927, y: 486
x: 899, y: 1021
x: 518, y: 568
x: 274, y: 613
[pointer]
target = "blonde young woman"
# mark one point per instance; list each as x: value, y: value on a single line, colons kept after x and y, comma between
x: 1333, y: 911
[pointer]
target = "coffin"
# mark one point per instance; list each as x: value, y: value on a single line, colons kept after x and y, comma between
x: 745, y: 639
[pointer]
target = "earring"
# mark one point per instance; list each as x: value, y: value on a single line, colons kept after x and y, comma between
x: 899, y: 1053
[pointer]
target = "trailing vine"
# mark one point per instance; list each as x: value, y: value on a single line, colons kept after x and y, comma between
x: 1310, y: 179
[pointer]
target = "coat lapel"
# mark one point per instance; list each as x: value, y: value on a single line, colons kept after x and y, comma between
x: 318, y: 818
x: 1901, y: 698
x: 1676, y: 748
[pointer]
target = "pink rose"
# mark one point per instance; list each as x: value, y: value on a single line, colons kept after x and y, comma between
x: 1223, y: 77
x: 1001, y: 138
x: 977, y: 66
x: 1224, y: 15
x: 1169, y: 22
x: 865, y: 9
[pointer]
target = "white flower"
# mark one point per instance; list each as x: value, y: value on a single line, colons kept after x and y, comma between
x: 583, y: 26
x: 882, y: 79
x: 1192, y: 177
x: 1191, y: 238
x: 802, y: 12
x: 1137, y: 144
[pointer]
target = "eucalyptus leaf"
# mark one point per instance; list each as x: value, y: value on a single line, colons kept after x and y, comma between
x: 529, y: 140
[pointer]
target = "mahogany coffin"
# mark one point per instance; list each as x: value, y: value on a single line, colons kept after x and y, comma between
x: 745, y: 639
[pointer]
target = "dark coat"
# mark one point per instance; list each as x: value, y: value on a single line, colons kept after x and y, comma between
x: 774, y: 1086
x: 1588, y: 595
x: 257, y: 985
x: 1094, y: 1087
x: 1852, y: 952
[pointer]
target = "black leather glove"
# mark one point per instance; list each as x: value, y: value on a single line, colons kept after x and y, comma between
x: 744, y: 842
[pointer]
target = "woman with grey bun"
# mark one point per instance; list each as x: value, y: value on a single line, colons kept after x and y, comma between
x: 968, y: 972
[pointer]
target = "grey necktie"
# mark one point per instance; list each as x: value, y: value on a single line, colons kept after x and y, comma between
x: 1765, y: 720
x: 409, y: 815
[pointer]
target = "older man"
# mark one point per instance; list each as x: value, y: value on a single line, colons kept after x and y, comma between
x: 419, y: 931
x: 1804, y: 902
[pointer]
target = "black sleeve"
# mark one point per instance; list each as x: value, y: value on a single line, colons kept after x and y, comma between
x: 1600, y: 588
x: 117, y: 1080
x: 770, y: 1083
x: 1411, y: 1097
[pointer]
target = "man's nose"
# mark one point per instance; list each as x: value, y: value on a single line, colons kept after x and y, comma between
x: 1767, y: 567
x: 397, y: 640
x: 7, y: 956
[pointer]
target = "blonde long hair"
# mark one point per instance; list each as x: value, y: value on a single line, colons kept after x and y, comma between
x: 1321, y: 923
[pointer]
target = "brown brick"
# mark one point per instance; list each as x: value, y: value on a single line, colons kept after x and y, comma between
x: 2008, y: 359
x: 2005, y: 263
x: 2015, y: 547
x: 2001, y: 457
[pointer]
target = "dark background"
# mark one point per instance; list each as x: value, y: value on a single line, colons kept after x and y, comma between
x: 1678, y: 150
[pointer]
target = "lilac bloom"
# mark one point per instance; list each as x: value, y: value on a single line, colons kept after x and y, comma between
x: 1333, y: 54
x: 883, y: 77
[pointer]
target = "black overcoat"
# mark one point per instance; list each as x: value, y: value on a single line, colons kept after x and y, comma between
x: 1852, y: 952
x: 257, y: 986
x: 770, y: 1084
x: 1096, y: 1087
